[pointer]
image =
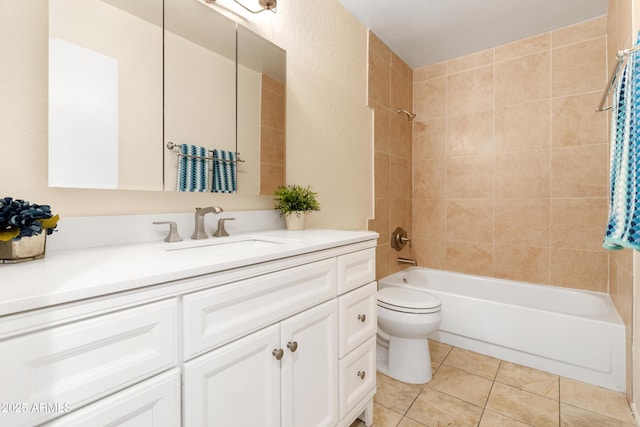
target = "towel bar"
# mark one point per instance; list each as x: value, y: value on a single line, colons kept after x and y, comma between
x: 622, y: 54
x: 175, y: 147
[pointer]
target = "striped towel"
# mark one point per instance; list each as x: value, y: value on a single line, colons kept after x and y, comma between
x: 192, y: 172
x: 623, y: 225
x: 224, y: 172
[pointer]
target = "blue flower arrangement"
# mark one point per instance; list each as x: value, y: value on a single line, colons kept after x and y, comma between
x: 19, y: 218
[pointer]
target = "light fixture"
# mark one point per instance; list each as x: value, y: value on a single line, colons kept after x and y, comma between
x: 270, y: 5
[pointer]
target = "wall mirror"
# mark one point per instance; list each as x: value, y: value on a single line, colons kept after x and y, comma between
x: 129, y: 76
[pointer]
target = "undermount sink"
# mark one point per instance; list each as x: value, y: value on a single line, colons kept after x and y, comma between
x: 224, y: 245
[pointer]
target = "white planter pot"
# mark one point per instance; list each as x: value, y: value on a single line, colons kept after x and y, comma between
x: 295, y: 220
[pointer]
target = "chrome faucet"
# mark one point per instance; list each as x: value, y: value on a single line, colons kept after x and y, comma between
x: 199, y: 232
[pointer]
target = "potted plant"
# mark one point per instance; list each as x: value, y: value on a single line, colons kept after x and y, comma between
x: 23, y: 229
x: 294, y: 203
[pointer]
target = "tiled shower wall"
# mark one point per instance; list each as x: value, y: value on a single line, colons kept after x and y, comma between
x: 510, y: 161
x: 390, y: 88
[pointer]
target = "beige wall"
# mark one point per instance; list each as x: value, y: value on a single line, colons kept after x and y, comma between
x: 510, y: 164
x: 329, y: 130
x: 389, y: 89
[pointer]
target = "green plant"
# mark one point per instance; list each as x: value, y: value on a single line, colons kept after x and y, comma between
x: 19, y: 218
x: 295, y: 198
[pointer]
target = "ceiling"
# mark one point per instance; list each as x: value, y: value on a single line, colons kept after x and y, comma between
x: 425, y: 32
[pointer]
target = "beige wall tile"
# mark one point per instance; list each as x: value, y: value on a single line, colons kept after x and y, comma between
x: 523, y: 127
x: 401, y: 67
x: 595, y: 399
x: 470, y: 220
x: 470, y: 177
x: 430, y: 99
x: 470, y: 134
x: 380, y: 223
x: 400, y: 216
x: 468, y: 62
x: 577, y: 33
x: 575, y: 121
x: 401, y: 89
x: 429, y: 179
x: 522, y: 174
x: 271, y: 176
x: 522, y: 263
x: 382, y: 260
x: 579, y: 68
x: 400, y: 145
x: 612, y: 35
x: 272, y: 146
x: 430, y: 139
x: 470, y: 258
x: 621, y: 291
x: 399, y: 178
x: 273, y: 85
x: 379, y: 80
x: 382, y: 172
x: 381, y: 127
x: 522, y: 80
x: 470, y: 91
x: 578, y: 223
x: 625, y: 25
x: 378, y: 47
x: 580, y: 171
x: 522, y: 222
x: 429, y: 219
x: 523, y: 47
x: 273, y: 110
x: 430, y: 72
x: 579, y: 269
x: 430, y: 253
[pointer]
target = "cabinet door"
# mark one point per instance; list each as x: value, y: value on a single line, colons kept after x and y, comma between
x: 235, y: 385
x: 310, y: 367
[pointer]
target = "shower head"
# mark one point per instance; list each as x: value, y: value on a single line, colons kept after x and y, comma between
x: 410, y: 116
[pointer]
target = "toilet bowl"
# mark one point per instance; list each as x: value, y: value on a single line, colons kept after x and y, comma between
x: 406, y: 317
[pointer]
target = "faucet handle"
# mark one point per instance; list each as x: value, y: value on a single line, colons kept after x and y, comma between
x: 173, y: 236
x: 221, y: 232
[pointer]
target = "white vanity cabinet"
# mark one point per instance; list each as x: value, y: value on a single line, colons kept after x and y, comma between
x: 283, y: 375
x: 284, y: 341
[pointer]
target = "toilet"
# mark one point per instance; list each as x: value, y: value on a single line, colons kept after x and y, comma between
x: 406, y: 316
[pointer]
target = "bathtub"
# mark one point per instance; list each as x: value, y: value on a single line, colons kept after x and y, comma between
x: 576, y: 334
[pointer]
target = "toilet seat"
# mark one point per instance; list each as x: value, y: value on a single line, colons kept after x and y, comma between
x: 408, y: 300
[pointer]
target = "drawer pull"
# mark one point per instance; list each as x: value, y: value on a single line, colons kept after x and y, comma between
x: 362, y: 317
x: 278, y: 353
x: 361, y: 374
x: 293, y: 346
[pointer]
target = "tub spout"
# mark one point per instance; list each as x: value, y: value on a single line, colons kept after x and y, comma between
x: 407, y: 261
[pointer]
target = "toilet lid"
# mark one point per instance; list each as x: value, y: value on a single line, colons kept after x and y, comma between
x: 406, y: 299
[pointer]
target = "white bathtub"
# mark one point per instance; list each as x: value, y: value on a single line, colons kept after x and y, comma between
x: 576, y: 334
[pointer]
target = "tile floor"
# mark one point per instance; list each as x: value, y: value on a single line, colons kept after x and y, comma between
x: 470, y: 389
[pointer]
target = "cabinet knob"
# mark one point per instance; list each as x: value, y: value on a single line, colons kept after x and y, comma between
x: 362, y: 317
x: 361, y: 374
x: 278, y: 353
x: 293, y: 346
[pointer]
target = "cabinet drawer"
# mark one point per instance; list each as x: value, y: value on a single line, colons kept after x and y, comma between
x: 153, y: 403
x: 357, y: 375
x: 358, y: 320
x: 356, y: 269
x: 219, y: 315
x: 77, y: 363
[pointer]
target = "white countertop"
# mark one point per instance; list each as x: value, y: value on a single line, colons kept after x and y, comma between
x: 70, y: 275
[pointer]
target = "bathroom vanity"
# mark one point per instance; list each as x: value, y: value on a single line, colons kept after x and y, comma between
x: 264, y: 329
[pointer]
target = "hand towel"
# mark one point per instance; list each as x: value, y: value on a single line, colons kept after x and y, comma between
x: 224, y: 172
x: 193, y: 173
